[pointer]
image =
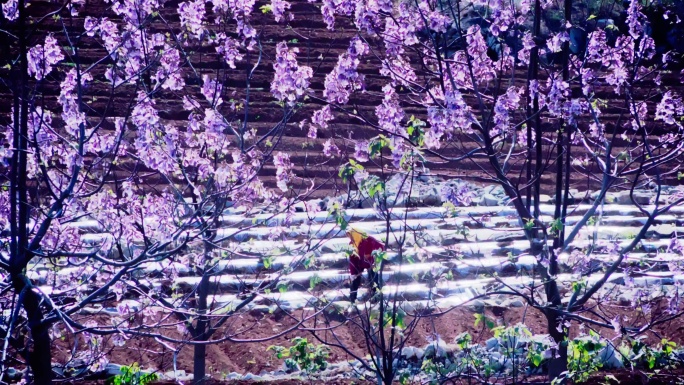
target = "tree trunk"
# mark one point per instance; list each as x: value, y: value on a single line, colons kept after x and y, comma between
x: 38, y: 356
x: 559, y: 362
x: 199, y: 364
x: 200, y: 353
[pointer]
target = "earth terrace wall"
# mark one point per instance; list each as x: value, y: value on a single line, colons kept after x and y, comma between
x: 318, y: 48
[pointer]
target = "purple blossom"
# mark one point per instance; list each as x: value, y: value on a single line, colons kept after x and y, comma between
x: 588, y: 79
x: 135, y: 12
x: 330, y: 149
x: 192, y: 16
x: 669, y: 108
x: 647, y: 48
x: 321, y: 117
x: 41, y: 58
x: 555, y: 43
x: 617, y: 78
x: 189, y: 103
x: 483, y: 67
x: 399, y: 151
x: 399, y: 70
x: 444, y: 120
x: 278, y: 7
x: 169, y: 72
x: 328, y: 11
x: 389, y: 113
x: 290, y: 81
x: 639, y: 111
x: 502, y: 18
x: 527, y: 45
x: 144, y: 115
x: 71, y: 114
x: 230, y: 50
x: 558, y: 91
x: 313, y: 132
x: 211, y: 89
x: 344, y: 78
x: 597, y: 46
x: 436, y: 21
x: 506, y: 103
x: 4, y: 210
x: 635, y: 19
x: 361, y: 151
x: 91, y: 26
x: 367, y: 15
x: 109, y: 33
x: 11, y: 10
x: 214, y: 121
x: 283, y: 166
x: 460, y: 195
x: 400, y: 30
x: 597, y: 131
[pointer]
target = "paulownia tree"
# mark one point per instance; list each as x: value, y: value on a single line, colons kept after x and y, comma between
x: 128, y: 171
x: 534, y: 103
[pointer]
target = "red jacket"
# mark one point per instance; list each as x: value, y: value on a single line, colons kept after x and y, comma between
x: 362, y: 258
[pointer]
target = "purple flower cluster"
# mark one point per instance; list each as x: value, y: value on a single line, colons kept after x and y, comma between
x: 505, y: 104
x: 135, y: 12
x: 459, y: 195
x: 502, y: 17
x: 389, y: 113
x: 455, y: 115
x: 330, y: 149
x: 291, y: 81
x: 527, y: 45
x: 283, y: 166
x: 344, y: 78
x: 279, y: 7
x: 320, y: 119
x: 230, y: 50
x: 361, y: 151
x: 211, y: 89
x: 400, y: 30
x: 11, y: 10
x: 555, y: 43
x: 192, y: 17
x: 169, y: 73
x: 635, y: 19
x: 71, y: 115
x: 399, y: 70
x: 483, y: 67
x: 669, y: 108
x: 558, y: 91
x: 42, y: 58
x: 367, y: 15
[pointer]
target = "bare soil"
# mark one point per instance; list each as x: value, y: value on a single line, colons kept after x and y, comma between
x: 345, y: 338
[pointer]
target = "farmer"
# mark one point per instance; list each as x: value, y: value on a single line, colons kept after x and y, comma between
x: 362, y: 259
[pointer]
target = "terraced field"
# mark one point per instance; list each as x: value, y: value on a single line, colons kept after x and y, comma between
x: 319, y: 48
x: 447, y: 257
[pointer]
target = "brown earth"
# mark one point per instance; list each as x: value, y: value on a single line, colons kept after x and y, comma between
x: 624, y: 377
x: 345, y: 338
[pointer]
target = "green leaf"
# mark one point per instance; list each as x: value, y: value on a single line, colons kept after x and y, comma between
x: 376, y: 145
x: 348, y: 170
x: 376, y: 186
x: 314, y: 280
x: 536, y: 359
